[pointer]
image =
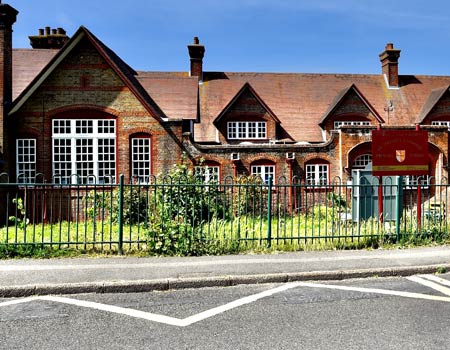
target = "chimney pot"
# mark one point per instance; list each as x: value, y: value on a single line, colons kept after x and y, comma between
x: 389, y: 64
x: 41, y: 31
x: 196, y: 53
x: 47, y: 30
x: 53, y: 31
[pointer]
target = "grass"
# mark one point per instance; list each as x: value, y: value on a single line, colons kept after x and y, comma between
x: 318, y: 230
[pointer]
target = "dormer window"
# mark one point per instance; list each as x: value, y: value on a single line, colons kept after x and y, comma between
x: 244, y: 130
x: 338, y: 124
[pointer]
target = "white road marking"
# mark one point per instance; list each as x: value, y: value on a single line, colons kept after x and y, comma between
x: 234, y: 304
x: 379, y: 291
x: 18, y: 301
x: 429, y: 283
x: 437, y: 279
x: 226, y: 307
x: 118, y: 310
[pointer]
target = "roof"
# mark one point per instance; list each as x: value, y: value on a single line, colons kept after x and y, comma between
x: 175, y: 93
x: 300, y: 102
x: 23, y: 71
x: 433, y: 98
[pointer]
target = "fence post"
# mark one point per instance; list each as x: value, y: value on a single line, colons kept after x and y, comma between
x: 120, y: 243
x: 269, y: 212
x: 398, y: 207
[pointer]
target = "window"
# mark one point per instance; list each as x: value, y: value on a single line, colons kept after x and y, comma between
x: 140, y: 159
x: 338, y: 124
x: 263, y: 171
x: 441, y: 123
x: 247, y: 130
x: 84, y: 151
x: 317, y: 174
x: 207, y: 173
x: 26, y: 160
x: 412, y: 181
x: 362, y: 161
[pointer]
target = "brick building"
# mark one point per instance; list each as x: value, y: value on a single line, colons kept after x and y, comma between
x: 71, y: 109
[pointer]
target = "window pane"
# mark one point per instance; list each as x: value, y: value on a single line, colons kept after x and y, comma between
x: 140, y: 159
x: 26, y: 160
x: 84, y: 150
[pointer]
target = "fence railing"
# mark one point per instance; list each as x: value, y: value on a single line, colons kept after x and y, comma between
x: 184, y: 212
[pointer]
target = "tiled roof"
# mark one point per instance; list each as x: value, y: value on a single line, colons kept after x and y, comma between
x: 175, y: 93
x: 299, y: 101
x: 27, y: 64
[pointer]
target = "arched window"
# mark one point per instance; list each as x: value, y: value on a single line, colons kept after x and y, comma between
x: 317, y: 172
x: 263, y: 169
x: 141, y: 158
x: 362, y: 161
x: 84, y: 150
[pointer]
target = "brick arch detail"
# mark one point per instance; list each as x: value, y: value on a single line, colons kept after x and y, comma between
x: 316, y: 157
x: 74, y: 108
x: 262, y: 158
x: 135, y: 131
x: 356, y: 151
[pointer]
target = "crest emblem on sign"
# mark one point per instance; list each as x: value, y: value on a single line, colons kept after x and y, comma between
x: 400, y: 155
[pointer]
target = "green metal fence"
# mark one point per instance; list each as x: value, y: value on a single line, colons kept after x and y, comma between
x: 184, y: 212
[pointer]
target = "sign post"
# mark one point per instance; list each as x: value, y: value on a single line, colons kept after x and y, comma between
x: 398, y: 152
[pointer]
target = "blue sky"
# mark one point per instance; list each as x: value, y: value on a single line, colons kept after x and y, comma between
x: 318, y: 36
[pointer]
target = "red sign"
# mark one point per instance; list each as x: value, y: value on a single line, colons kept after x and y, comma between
x: 399, y: 152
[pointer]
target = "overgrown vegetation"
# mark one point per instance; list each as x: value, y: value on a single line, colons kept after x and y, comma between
x: 181, y: 215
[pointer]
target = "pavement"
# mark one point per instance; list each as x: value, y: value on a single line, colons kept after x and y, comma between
x: 26, y: 277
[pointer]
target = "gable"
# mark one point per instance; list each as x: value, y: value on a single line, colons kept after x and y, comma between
x: 437, y: 107
x: 84, y: 77
x: 86, y: 72
x: 349, y: 104
x: 246, y: 104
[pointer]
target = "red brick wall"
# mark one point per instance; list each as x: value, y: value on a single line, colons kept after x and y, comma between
x: 84, y: 86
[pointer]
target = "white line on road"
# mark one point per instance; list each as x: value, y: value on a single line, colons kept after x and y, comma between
x: 220, y: 309
x: 118, y: 310
x: 18, y: 301
x: 429, y: 283
x: 437, y: 279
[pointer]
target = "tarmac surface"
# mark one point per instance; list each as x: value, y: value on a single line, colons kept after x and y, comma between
x: 26, y: 277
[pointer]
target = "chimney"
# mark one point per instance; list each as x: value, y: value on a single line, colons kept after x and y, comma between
x: 49, y: 39
x: 196, y: 53
x: 389, y: 64
x: 8, y: 16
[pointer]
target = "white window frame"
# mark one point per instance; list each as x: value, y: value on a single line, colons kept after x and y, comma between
x: 207, y: 173
x: 317, y: 174
x: 26, y: 160
x: 263, y: 171
x: 247, y: 130
x: 71, y: 138
x: 441, y: 123
x: 412, y: 181
x: 141, y: 159
x: 362, y: 161
x: 338, y: 124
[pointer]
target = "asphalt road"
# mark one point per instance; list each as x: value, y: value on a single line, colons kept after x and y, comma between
x: 378, y: 313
